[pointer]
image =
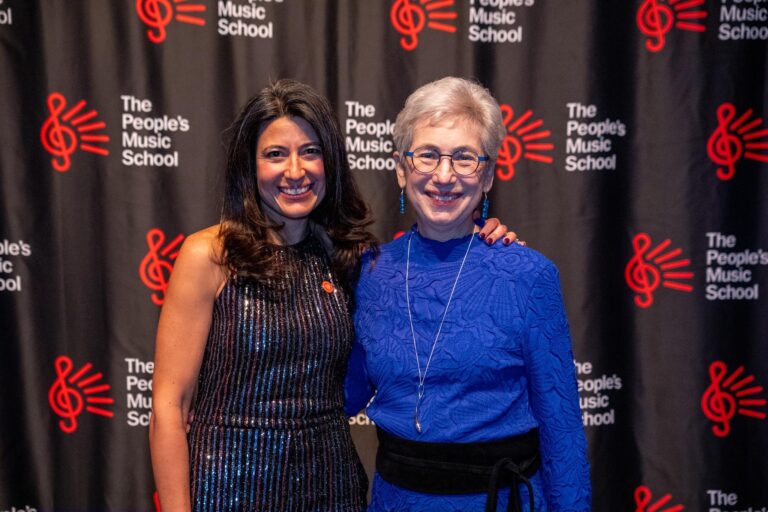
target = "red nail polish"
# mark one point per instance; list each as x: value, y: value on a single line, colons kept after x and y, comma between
x: 482, y: 236
x: 489, y: 241
x: 507, y: 241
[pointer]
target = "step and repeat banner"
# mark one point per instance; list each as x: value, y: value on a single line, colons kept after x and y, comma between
x: 636, y: 158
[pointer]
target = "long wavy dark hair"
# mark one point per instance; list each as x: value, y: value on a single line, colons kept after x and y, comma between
x: 342, y: 213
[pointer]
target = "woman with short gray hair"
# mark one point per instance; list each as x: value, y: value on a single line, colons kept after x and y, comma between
x: 462, y: 349
x: 451, y: 98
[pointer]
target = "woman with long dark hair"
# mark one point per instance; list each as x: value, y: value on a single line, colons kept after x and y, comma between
x: 257, y: 319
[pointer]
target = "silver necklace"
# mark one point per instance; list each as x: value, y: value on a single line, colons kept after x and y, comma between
x: 423, y: 376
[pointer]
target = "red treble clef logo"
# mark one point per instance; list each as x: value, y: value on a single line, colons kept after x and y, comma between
x: 522, y: 141
x: 157, y: 14
x: 155, y: 269
x: 726, y: 396
x: 410, y: 18
x: 642, y: 277
x: 64, y: 400
x: 655, y: 18
x: 58, y: 140
x: 647, y: 269
x: 643, y: 498
x: 63, y: 132
x: 69, y: 393
x: 734, y: 139
x: 723, y: 147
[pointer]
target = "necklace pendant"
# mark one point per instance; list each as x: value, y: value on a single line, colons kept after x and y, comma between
x: 419, y: 396
x: 423, y: 376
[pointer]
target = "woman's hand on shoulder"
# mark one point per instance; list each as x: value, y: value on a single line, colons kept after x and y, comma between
x: 493, y: 230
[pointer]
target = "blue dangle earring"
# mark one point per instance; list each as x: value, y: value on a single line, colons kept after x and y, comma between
x: 402, y: 201
x: 486, y: 205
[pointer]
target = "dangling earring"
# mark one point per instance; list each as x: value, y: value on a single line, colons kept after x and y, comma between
x: 486, y: 205
x: 402, y: 201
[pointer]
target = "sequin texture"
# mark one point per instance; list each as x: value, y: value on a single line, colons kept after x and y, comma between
x: 269, y: 432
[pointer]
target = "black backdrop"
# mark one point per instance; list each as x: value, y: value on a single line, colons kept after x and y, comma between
x: 636, y: 159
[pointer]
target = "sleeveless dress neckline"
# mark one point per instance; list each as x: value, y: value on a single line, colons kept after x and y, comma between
x: 269, y: 432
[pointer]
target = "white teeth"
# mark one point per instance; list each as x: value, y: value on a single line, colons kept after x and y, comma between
x: 294, y: 191
x: 443, y: 198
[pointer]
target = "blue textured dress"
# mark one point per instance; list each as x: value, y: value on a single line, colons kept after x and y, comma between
x: 503, y: 364
x: 269, y: 430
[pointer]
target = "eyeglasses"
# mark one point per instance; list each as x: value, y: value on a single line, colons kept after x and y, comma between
x: 426, y: 159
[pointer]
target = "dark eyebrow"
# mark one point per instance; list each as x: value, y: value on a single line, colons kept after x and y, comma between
x: 465, y: 148
x: 273, y: 147
x: 454, y: 150
x: 280, y: 146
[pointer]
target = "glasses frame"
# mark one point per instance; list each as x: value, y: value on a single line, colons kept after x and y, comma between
x: 480, y: 160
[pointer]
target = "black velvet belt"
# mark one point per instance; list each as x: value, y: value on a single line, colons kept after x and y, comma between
x: 461, y: 468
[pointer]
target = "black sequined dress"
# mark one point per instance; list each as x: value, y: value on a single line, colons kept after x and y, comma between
x: 269, y: 432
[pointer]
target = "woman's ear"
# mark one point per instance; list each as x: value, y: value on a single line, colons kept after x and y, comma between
x: 399, y: 169
x: 488, y: 173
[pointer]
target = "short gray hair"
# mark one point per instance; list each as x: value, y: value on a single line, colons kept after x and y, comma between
x: 451, y: 98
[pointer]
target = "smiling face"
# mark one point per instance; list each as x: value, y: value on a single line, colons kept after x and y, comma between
x: 444, y: 201
x: 290, y: 174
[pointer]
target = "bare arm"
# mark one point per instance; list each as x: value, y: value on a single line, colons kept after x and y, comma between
x: 181, y: 336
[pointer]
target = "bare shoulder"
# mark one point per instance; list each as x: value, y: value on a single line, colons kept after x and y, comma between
x: 199, y: 260
x: 204, y: 244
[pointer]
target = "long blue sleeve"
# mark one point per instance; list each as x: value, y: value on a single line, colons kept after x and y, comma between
x: 357, y: 388
x: 554, y: 397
